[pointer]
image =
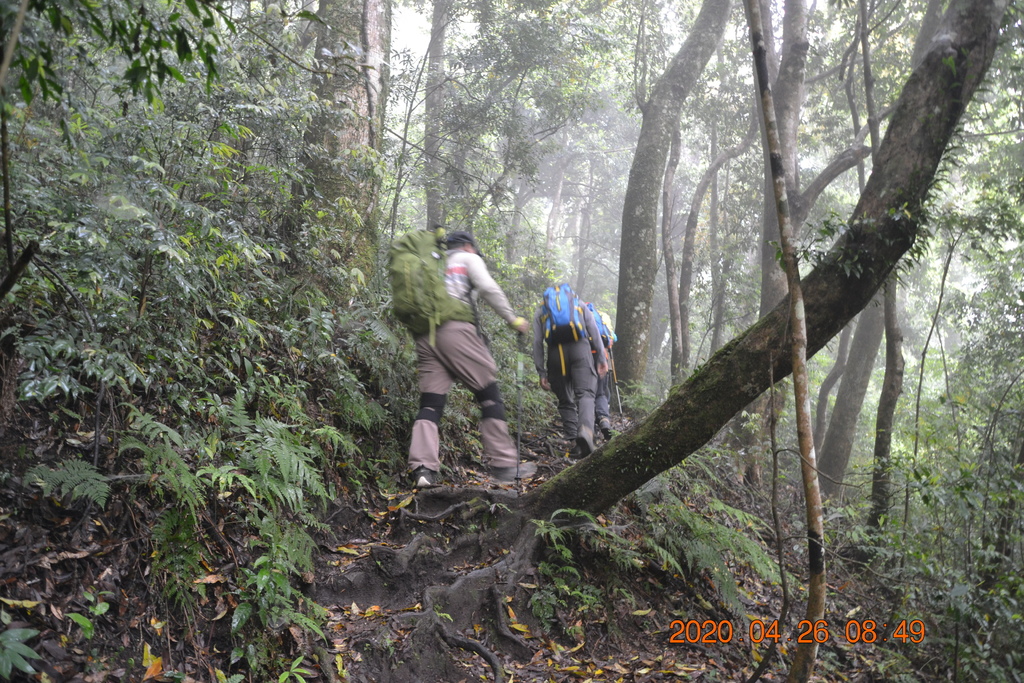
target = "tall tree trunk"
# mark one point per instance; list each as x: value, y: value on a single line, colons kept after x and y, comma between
x: 892, y: 384
x: 842, y: 428
x: 367, y: 24
x: 583, y: 262
x: 433, y: 109
x: 721, y: 266
x: 788, y: 96
x: 555, y: 215
x: 788, y: 101
x: 638, y: 257
x: 522, y: 196
x: 892, y: 387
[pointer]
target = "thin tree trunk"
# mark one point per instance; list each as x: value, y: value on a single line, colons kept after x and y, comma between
x: 892, y: 384
x: 582, y: 247
x: 803, y: 661
x: 892, y: 387
x: 838, y: 367
x: 555, y: 215
x: 690, y: 236
x: 678, y: 333
x: 920, y: 376
x: 719, y: 276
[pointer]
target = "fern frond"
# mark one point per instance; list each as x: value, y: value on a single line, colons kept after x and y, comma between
x: 75, y: 477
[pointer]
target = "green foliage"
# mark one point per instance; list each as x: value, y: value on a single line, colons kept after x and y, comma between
x: 295, y: 671
x: 85, y: 623
x: 640, y: 399
x: 265, y: 592
x: 14, y: 653
x: 675, y: 535
x: 565, y: 591
x: 178, y: 556
x: 75, y: 478
x: 668, y: 536
x: 155, y: 39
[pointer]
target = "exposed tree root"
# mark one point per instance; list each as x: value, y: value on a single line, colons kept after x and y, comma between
x: 435, y: 570
x: 431, y: 619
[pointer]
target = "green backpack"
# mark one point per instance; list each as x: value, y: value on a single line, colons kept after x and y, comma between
x: 416, y: 267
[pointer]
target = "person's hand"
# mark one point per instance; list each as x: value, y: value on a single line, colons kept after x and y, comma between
x: 521, y: 325
x: 602, y: 369
x: 545, y: 384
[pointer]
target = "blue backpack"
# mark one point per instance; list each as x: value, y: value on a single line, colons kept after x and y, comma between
x: 562, y: 316
x: 608, y: 336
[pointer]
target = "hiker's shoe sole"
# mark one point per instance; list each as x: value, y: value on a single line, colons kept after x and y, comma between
x: 508, y: 475
x: 585, y: 442
x: 424, y: 478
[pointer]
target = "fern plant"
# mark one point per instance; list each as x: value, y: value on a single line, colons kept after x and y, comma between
x: 75, y: 478
x: 676, y: 537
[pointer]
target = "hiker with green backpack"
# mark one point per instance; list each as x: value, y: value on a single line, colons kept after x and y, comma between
x: 435, y: 280
x: 574, y: 359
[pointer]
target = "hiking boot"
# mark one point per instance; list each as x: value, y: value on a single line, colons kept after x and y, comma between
x: 585, y: 442
x: 507, y: 475
x: 423, y: 478
x: 605, y: 425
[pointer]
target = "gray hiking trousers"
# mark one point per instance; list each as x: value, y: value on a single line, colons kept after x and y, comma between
x: 459, y: 354
x: 573, y: 378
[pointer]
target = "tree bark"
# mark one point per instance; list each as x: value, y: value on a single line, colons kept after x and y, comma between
x: 555, y: 215
x: 719, y: 275
x: 803, y: 661
x: 892, y: 387
x: 638, y: 258
x: 882, y: 229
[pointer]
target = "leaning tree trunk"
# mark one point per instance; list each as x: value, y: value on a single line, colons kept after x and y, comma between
x: 883, y: 227
x: 638, y: 257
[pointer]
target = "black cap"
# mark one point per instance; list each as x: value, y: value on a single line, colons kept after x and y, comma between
x: 457, y: 237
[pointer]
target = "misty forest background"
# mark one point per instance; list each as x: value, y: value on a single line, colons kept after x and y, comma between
x: 205, y: 192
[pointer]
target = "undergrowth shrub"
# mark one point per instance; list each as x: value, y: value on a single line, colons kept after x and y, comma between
x: 187, y: 311
x: 665, y: 534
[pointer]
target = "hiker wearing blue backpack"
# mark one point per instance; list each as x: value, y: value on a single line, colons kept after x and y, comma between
x: 602, y: 401
x: 574, y: 359
x: 451, y: 348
